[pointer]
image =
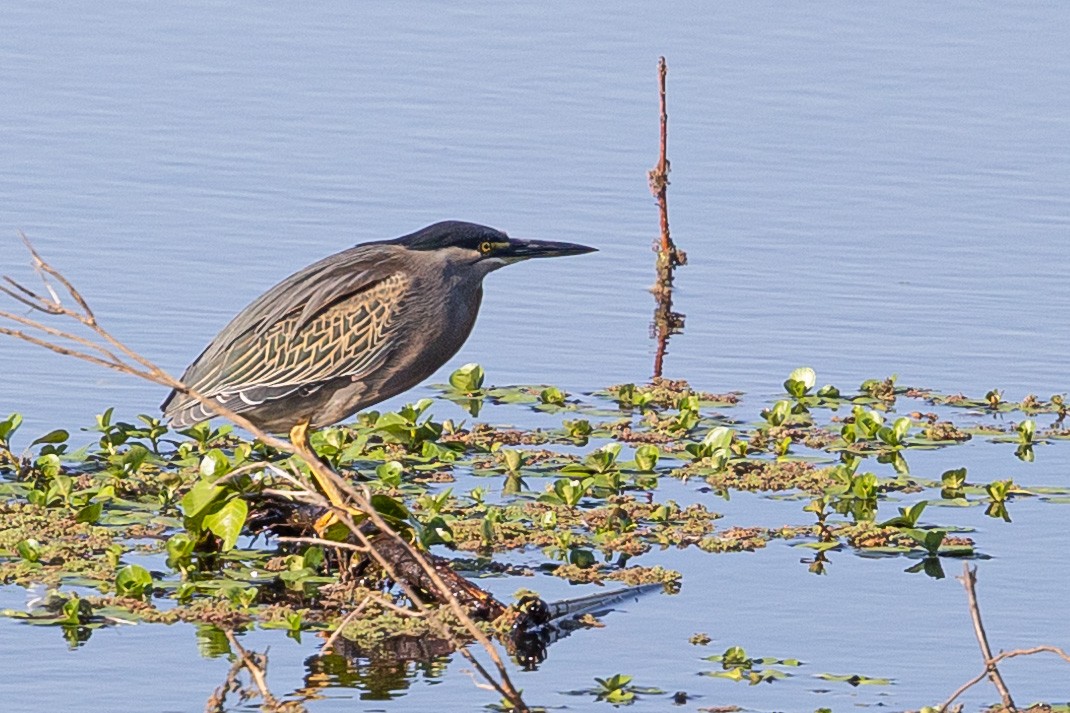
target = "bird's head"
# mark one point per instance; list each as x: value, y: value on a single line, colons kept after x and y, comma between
x: 487, y: 248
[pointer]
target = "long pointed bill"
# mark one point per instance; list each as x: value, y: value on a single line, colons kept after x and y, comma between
x: 524, y: 249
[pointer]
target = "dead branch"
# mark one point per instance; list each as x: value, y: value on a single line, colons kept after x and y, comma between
x: 121, y: 358
x: 666, y: 322
x: 329, y: 644
x: 969, y: 580
x: 659, y: 177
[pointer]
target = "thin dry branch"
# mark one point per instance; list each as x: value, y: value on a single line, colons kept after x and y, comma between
x: 659, y: 177
x: 1061, y: 653
x: 137, y: 365
x: 969, y: 580
x: 666, y: 322
x: 347, y: 546
x: 329, y: 644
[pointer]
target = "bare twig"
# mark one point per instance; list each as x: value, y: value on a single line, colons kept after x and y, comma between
x: 659, y: 177
x: 969, y: 580
x: 1000, y: 657
x: 124, y: 359
x: 348, y: 546
x: 329, y: 644
x: 666, y: 322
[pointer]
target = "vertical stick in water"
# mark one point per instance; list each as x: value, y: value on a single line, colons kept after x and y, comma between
x: 666, y: 322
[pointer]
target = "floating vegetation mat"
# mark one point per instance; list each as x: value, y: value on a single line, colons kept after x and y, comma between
x: 132, y: 522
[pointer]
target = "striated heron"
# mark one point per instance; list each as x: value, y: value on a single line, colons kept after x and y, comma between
x: 353, y: 329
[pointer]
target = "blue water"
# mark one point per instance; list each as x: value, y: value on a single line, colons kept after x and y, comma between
x: 865, y: 189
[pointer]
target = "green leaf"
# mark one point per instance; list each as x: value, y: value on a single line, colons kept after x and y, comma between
x: 57, y: 436
x: 468, y: 379
x: 908, y: 517
x: 855, y: 679
x: 200, y: 497
x: 214, y: 464
x: 646, y: 458
x: 901, y: 427
x: 90, y: 513
x: 390, y: 509
x: 29, y: 550
x: 390, y: 473
x: 179, y: 550
x: 8, y: 426
x: 552, y: 396
x: 777, y: 415
x: 953, y: 479
x: 512, y: 459
x: 133, y: 580
x: 582, y: 558
x: 800, y: 381
x: 227, y: 521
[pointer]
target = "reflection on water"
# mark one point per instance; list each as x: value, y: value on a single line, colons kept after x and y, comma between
x: 379, y: 678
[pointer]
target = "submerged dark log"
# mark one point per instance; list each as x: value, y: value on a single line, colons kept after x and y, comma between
x: 286, y: 518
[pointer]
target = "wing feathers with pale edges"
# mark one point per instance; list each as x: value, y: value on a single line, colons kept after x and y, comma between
x: 332, y: 319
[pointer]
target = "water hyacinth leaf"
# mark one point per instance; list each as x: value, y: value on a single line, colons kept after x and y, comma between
x: 202, y: 495
x: 828, y: 391
x: 56, y: 436
x: 1026, y: 430
x: 954, y: 479
x: 931, y: 540
x: 646, y: 458
x: 582, y: 558
x: 468, y: 379
x: 800, y: 381
x: 908, y: 517
x: 512, y: 459
x: 214, y: 464
x: 436, y: 531
x: 390, y: 473
x: 999, y: 490
x: 179, y: 550
x: 90, y: 513
x: 733, y: 656
x: 227, y: 522
x: 390, y: 509
x: 552, y: 396
x: 855, y: 679
x: 29, y: 550
x: 778, y: 414
x: 8, y: 427
x: 133, y: 580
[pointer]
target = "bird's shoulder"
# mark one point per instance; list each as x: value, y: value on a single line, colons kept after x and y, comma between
x: 314, y: 289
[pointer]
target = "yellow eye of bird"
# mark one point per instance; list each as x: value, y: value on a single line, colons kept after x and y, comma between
x: 485, y: 247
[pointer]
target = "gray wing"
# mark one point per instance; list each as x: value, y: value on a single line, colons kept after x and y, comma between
x: 332, y: 319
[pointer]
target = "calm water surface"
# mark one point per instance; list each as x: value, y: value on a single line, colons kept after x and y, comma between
x: 865, y: 189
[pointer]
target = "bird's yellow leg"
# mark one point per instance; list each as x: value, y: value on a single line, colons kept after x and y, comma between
x: 299, y: 437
